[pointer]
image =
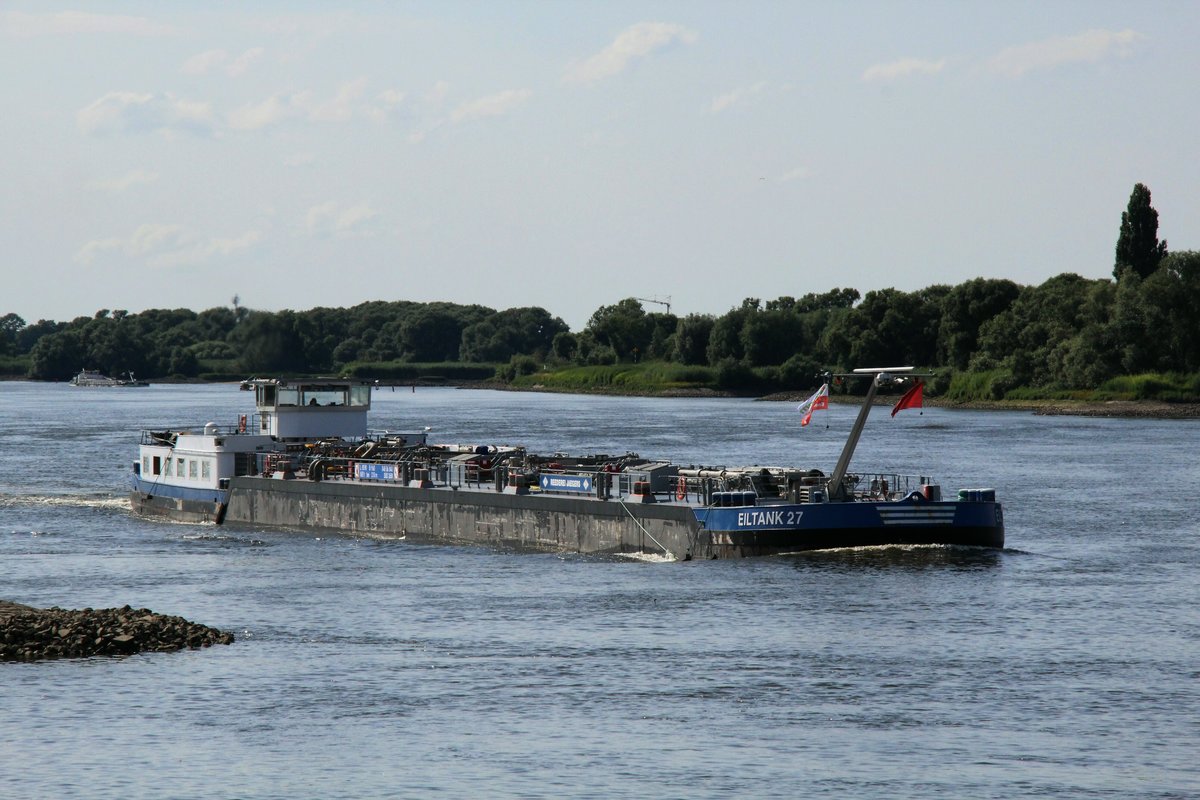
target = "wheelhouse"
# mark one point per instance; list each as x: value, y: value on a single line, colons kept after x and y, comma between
x: 310, y: 408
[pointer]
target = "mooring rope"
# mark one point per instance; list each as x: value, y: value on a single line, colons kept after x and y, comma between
x: 643, y: 527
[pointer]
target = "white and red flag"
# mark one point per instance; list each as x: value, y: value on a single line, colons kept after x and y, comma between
x: 818, y: 400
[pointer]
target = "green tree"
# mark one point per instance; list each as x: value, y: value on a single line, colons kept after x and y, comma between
x: 1138, y: 247
x: 430, y: 334
x: 57, y: 356
x: 827, y: 301
x: 624, y: 327
x: 10, y: 329
x: 31, y: 334
x: 771, y: 336
x: 725, y: 340
x: 268, y: 343
x: 1156, y: 317
x: 564, y: 346
x: 691, y: 338
x: 888, y: 327
x: 514, y: 331
x: 183, y: 363
x: 965, y: 309
x: 661, y: 346
x: 1035, y: 335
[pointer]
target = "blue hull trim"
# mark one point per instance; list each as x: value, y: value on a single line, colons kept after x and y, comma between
x: 178, y: 502
x: 770, y: 529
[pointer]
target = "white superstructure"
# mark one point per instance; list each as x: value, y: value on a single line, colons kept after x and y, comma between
x: 287, y: 414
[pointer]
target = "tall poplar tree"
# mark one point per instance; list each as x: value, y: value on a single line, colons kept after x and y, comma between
x: 1138, y: 245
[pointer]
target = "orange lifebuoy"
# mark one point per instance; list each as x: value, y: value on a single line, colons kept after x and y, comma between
x: 242, y: 424
x: 681, y: 489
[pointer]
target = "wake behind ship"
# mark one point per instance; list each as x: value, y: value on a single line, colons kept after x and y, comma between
x: 304, y: 459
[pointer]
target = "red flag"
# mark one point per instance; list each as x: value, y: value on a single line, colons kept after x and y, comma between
x: 913, y: 398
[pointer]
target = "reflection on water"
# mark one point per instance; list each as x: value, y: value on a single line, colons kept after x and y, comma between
x: 902, y: 557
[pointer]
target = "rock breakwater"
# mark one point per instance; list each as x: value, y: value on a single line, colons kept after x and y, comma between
x: 34, y: 634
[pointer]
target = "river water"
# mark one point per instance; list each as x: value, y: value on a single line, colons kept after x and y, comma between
x: 1066, y: 665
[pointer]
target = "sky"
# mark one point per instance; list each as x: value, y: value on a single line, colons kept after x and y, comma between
x: 572, y: 154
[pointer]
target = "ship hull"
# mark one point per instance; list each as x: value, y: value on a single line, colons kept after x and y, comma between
x: 588, y: 525
x: 181, y: 504
x: 770, y: 530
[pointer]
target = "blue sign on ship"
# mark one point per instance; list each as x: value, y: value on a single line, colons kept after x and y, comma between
x: 375, y: 472
x: 566, y: 483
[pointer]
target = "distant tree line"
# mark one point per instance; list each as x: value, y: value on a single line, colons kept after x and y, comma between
x: 1069, y: 331
x: 179, y: 343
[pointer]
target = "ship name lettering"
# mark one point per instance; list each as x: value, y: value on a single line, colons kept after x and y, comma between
x: 750, y: 519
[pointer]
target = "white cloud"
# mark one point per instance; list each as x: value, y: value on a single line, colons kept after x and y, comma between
x: 87, y: 254
x: 634, y: 42
x: 493, y: 105
x: 240, y: 64
x: 799, y: 173
x: 340, y: 107
x: 254, y: 116
x: 119, y: 184
x: 133, y: 112
x: 202, y: 63
x: 203, y: 251
x: 1089, y: 46
x: 142, y: 241
x: 211, y: 60
x: 316, y: 25
x: 331, y: 219
x: 729, y: 99
x: 166, y: 246
x: 385, y: 103
x: 904, y: 68
x: 16, y: 23
x: 148, y: 238
x: 437, y: 93
x: 391, y: 97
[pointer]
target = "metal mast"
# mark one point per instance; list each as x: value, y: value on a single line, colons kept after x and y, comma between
x: 880, y: 376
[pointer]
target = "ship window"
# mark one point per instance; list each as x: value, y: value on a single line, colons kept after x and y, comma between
x: 157, y: 465
x: 360, y: 395
x: 193, y: 471
x: 167, y: 467
x: 266, y: 397
x: 205, y: 470
x: 179, y: 467
x: 145, y: 465
x: 289, y: 397
x: 324, y: 396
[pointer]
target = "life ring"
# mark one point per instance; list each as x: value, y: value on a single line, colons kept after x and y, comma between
x: 681, y: 489
x: 242, y: 424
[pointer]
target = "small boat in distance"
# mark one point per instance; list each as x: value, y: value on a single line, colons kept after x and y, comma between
x: 91, y: 378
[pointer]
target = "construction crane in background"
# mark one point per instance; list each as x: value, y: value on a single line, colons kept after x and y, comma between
x: 657, y: 301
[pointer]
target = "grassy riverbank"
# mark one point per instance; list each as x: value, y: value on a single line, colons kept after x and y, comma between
x: 653, y: 378
x: 1148, y: 395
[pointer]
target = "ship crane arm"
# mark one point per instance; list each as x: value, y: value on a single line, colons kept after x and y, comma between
x: 880, y: 376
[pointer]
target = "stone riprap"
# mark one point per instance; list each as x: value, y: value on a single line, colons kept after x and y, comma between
x: 33, y: 634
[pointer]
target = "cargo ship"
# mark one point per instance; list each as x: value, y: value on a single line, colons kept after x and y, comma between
x: 304, y: 460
